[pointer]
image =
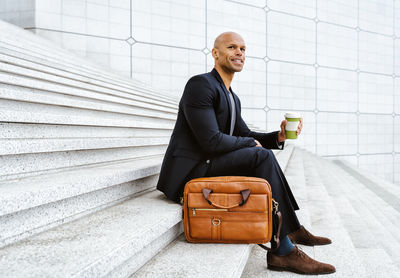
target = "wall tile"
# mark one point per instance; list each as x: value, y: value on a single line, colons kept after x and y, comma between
x: 48, y: 6
x: 397, y: 95
x: 397, y: 169
x: 396, y: 136
x: 170, y: 23
x: 73, y: 24
x: 223, y: 16
x: 344, y: 12
x: 376, y: 134
x: 167, y: 68
x: 375, y: 53
x: 291, y: 86
x: 336, y: 46
x: 397, y: 18
x: 257, y: 3
x: 123, y: 4
x: 20, y: 12
x: 336, y: 133
x: 254, y: 117
x: 305, y: 8
x: 113, y: 54
x: 336, y: 90
x: 75, y: 8
x: 375, y: 93
x: 290, y: 38
x: 98, y: 2
x: 381, y: 165
x: 49, y: 21
x: 97, y: 28
x: 376, y: 16
x: 397, y: 56
x: 97, y: 12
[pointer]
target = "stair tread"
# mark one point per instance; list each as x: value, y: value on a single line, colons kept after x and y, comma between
x: 94, y: 244
x: 319, y: 216
x: 37, y: 145
x: 183, y: 259
x: 49, y: 82
x: 68, y: 65
x: 32, y: 191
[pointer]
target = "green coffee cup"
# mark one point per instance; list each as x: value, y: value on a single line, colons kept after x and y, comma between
x: 293, y: 120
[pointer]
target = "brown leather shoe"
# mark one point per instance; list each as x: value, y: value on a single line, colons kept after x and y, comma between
x: 302, y: 236
x: 297, y: 261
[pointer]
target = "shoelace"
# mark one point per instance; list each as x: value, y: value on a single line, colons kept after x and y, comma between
x: 308, y: 234
x: 300, y: 252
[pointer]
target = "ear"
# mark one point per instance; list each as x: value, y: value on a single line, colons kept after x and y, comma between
x: 214, y: 53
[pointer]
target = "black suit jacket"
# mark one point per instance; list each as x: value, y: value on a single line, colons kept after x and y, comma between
x: 202, y: 132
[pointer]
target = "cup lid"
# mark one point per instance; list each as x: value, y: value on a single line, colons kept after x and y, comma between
x: 292, y: 115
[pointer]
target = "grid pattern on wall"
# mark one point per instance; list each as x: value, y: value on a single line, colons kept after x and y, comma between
x: 337, y: 62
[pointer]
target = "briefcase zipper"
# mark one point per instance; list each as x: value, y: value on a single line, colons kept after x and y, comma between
x: 205, y: 209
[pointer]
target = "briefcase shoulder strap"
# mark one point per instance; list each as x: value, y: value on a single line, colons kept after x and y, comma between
x: 277, y: 222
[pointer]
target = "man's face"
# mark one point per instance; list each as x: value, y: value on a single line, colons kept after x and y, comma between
x: 229, y: 53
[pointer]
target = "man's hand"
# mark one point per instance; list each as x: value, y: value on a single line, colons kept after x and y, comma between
x: 282, y: 133
x: 258, y: 143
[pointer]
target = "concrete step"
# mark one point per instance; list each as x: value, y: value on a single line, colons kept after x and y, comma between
x: 326, y: 220
x: 33, y: 204
x: 384, y: 213
x: 18, y: 55
x: 26, y: 112
x: 357, y: 223
x: 205, y: 260
x: 109, y: 243
x: 49, y: 81
x: 24, y: 165
x: 387, y: 191
x: 36, y: 45
x: 317, y: 215
x: 54, y: 131
x: 74, y: 72
x: 181, y: 259
x: 42, y: 93
x: 373, y: 220
x: 283, y: 156
x: 42, y: 145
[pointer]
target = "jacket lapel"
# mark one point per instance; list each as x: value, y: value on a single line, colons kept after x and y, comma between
x: 226, y: 97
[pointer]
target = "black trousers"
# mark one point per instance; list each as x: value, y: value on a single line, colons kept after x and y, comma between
x: 261, y: 163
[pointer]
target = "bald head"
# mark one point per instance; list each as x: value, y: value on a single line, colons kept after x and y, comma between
x: 229, y: 53
x: 226, y: 36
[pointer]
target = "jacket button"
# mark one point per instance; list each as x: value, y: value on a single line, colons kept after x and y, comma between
x: 208, y: 161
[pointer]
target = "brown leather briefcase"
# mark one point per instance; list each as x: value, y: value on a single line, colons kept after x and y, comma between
x: 228, y: 210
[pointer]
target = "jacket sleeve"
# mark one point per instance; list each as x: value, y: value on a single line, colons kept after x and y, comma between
x: 197, y: 104
x: 267, y: 140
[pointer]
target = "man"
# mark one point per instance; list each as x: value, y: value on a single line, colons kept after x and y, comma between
x: 210, y: 138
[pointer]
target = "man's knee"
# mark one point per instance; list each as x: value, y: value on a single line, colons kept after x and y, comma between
x: 263, y: 155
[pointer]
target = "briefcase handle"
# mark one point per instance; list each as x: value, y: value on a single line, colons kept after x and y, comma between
x: 245, y: 196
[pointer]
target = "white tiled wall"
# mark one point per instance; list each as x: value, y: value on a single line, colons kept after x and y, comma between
x: 337, y: 90
x: 343, y: 12
x: 290, y: 38
x: 291, y: 86
x: 336, y: 46
x: 337, y: 62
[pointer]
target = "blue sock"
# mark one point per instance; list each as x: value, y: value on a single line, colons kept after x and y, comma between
x: 285, y: 247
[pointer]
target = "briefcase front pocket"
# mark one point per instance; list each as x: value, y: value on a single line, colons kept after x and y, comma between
x: 219, y: 225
